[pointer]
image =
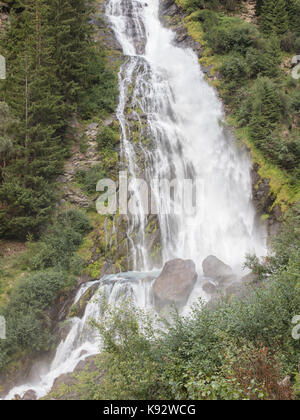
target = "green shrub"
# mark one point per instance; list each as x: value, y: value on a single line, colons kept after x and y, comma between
x: 234, y: 67
x: 89, y: 178
x: 107, y: 138
x: 28, y: 328
x: 297, y: 45
x: 288, y: 42
x: 61, y: 240
x: 233, y: 38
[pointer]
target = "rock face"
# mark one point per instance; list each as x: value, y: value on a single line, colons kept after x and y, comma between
x: 175, y: 283
x: 217, y: 270
x: 79, y: 308
x: 89, y: 365
x: 169, y: 15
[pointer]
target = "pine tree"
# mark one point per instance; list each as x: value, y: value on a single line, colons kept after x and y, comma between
x: 274, y: 17
x: 266, y: 112
x: 281, y: 17
x: 266, y: 16
x: 70, y: 35
x: 293, y: 9
x: 32, y: 92
x: 7, y: 124
x: 52, y: 68
x: 258, y: 7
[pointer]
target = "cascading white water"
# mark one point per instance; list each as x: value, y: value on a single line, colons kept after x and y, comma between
x: 183, y: 122
x: 188, y: 140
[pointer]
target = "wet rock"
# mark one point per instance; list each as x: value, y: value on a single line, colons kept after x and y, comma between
x: 64, y: 329
x: 210, y: 288
x: 65, y: 379
x: 29, y: 395
x: 175, y: 283
x: 171, y: 10
x: 181, y: 35
x: 79, y: 308
x: 84, y: 278
x: 263, y: 199
x: 217, y: 270
x: 166, y: 4
x: 207, y: 70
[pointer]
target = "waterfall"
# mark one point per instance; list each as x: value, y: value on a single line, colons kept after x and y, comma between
x: 178, y: 133
x: 188, y: 140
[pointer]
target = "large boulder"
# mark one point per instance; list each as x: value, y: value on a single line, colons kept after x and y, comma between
x: 217, y: 270
x: 175, y: 283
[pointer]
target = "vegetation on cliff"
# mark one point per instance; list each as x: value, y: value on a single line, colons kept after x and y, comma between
x: 50, y: 266
x: 54, y: 70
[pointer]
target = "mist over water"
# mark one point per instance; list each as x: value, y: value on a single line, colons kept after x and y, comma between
x: 188, y: 140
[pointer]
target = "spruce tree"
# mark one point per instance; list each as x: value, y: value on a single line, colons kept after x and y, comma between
x: 267, y: 107
x: 281, y: 17
x: 267, y: 16
x: 70, y: 36
x: 274, y: 17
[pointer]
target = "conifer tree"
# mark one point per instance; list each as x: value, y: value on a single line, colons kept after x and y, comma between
x: 70, y: 35
x: 281, y: 17
x: 52, y: 67
x: 266, y: 109
x: 267, y: 16
x: 274, y: 17
x: 258, y: 7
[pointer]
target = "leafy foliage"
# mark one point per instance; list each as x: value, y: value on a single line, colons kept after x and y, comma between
x: 51, y: 261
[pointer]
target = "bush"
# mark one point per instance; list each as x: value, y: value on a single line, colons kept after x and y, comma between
x: 27, y: 326
x: 297, y: 45
x: 89, y: 179
x: 60, y: 242
x: 238, y: 38
x: 101, y: 87
x: 107, y: 138
x: 236, y: 350
x: 234, y: 67
x: 30, y: 206
x: 288, y: 42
